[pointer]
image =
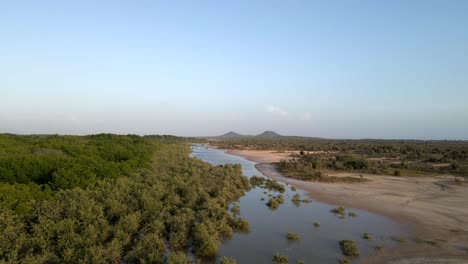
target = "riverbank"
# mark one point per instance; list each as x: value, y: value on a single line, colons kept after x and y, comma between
x: 428, y: 208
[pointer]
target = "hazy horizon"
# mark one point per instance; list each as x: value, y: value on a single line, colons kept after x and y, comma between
x: 334, y: 69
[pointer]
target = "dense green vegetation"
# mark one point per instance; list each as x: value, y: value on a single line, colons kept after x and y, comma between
x: 112, y: 199
x: 65, y: 162
x: 315, y: 158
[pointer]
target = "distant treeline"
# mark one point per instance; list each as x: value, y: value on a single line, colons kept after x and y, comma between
x: 398, y: 157
x: 112, y: 199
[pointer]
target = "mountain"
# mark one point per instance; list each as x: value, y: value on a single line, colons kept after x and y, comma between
x: 268, y: 134
x: 231, y: 135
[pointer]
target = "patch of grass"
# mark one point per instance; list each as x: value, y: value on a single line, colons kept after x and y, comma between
x: 435, y: 243
x: 378, y: 248
x: 349, y: 248
x: 280, y: 259
x: 400, y: 240
x: 352, y: 214
x: 262, y: 199
x: 293, y: 188
x: 292, y: 236
x: 367, y: 236
x: 316, y: 224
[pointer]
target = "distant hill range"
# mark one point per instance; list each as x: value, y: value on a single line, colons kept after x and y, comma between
x: 234, y: 135
x: 231, y: 135
x: 268, y: 134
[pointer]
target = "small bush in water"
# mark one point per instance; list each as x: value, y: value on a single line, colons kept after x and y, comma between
x: 226, y: 260
x: 280, y: 259
x: 367, y: 236
x: 273, y: 203
x: 292, y: 236
x: 349, y: 248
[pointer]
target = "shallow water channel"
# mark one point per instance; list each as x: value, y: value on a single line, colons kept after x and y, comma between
x: 268, y: 228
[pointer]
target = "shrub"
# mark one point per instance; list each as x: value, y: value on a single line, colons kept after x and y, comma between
x: 296, y: 197
x: 239, y: 223
x: 397, y: 173
x: 280, y: 199
x: 235, y: 208
x: 280, y: 259
x: 226, y: 260
x: 316, y: 224
x: 349, y: 248
x: 178, y: 258
x: 272, y: 203
x: 274, y: 185
x: 257, y: 181
x: 292, y: 236
x: 398, y: 239
x: 367, y: 236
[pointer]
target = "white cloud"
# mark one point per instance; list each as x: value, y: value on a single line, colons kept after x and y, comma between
x: 276, y: 110
x: 307, y: 116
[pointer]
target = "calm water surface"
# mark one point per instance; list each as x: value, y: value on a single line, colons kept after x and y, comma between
x: 268, y: 228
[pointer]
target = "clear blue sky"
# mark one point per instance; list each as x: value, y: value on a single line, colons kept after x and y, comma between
x: 337, y: 69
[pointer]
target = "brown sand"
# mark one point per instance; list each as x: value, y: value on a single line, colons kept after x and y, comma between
x: 426, y: 207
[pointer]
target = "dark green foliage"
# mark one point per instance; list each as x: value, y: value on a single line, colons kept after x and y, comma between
x: 280, y: 259
x: 349, y: 248
x: 65, y: 162
x: 143, y: 215
x: 316, y: 224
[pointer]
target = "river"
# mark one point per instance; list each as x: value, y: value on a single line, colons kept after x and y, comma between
x: 268, y: 228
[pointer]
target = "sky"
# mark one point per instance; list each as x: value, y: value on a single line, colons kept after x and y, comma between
x: 333, y: 69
